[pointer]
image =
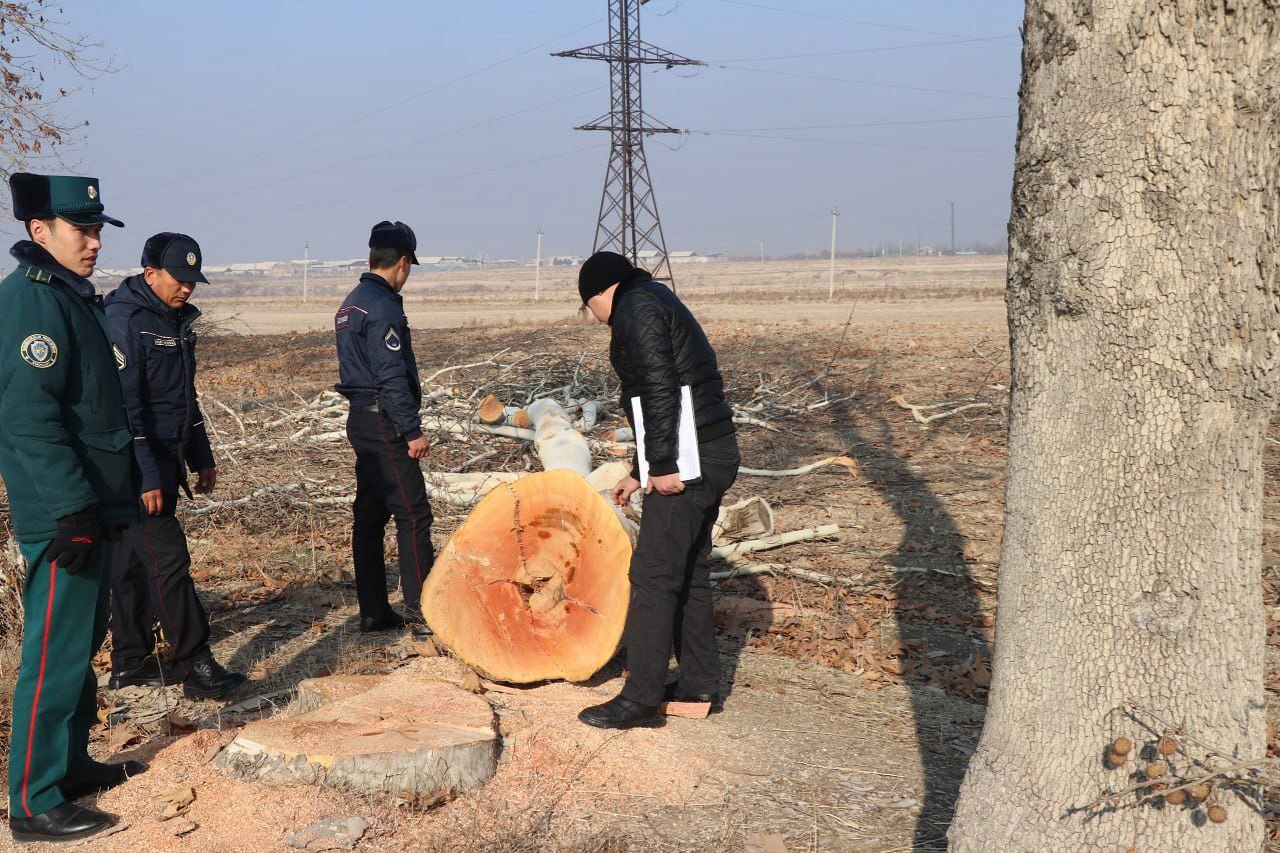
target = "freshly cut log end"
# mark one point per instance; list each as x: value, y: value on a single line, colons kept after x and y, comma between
x: 491, y: 411
x: 521, y: 419
x: 533, y: 585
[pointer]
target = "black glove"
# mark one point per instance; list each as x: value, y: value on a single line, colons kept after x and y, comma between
x: 78, y: 534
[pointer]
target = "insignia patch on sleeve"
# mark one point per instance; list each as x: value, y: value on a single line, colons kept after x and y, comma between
x: 39, y: 351
x: 121, y: 361
x: 392, y: 340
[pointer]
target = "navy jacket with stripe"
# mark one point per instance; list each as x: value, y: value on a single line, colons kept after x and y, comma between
x: 376, y: 365
x: 155, y: 349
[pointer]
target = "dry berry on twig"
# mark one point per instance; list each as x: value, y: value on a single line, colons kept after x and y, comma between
x: 1156, y: 769
x: 1166, y: 745
x: 1115, y: 760
x: 1121, y: 746
x: 1200, y: 792
x: 1176, y: 798
x: 1217, y: 814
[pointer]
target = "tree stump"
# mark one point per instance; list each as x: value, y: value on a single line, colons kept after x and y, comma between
x: 403, y: 736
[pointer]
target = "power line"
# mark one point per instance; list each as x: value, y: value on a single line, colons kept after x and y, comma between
x: 898, y: 86
x: 886, y: 48
x: 258, y: 185
x: 857, y: 143
x: 346, y: 123
x: 864, y: 124
x: 389, y: 192
x: 829, y: 17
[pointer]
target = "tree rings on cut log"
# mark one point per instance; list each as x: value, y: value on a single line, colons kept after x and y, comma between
x: 491, y: 411
x: 405, y: 735
x: 533, y: 585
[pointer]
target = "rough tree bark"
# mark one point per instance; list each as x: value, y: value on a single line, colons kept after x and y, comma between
x: 1142, y: 299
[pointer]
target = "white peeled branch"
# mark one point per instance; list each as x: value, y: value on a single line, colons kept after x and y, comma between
x: 557, y: 443
x: 590, y: 414
x: 843, y: 461
x: 750, y: 546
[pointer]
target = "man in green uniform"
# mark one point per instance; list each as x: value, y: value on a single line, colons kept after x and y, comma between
x: 66, y: 460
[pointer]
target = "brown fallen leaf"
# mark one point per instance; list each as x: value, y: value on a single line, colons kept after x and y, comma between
x: 470, y: 681
x: 426, y: 647
x: 211, y: 751
x: 177, y: 803
x: 121, y: 737
x: 181, y: 826
x: 179, y: 724
x: 893, y: 666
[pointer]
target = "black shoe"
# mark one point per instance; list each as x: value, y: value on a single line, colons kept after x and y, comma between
x: 209, y: 680
x: 621, y: 713
x: 371, y: 624
x: 97, y: 777
x: 63, y: 822
x: 673, y: 693
x: 149, y: 673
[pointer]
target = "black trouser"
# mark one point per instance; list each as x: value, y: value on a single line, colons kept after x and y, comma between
x: 388, y: 482
x: 671, y: 602
x: 150, y: 581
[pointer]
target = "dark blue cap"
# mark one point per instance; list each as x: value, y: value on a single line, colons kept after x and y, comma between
x: 394, y: 235
x: 176, y: 254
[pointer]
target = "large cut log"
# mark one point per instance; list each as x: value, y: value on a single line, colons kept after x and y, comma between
x: 403, y: 735
x: 533, y: 585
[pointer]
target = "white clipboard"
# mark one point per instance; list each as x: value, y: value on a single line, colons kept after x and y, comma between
x: 687, y: 460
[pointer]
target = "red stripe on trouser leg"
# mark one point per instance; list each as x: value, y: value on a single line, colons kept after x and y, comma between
x: 413, y: 519
x: 35, y: 700
x: 172, y: 632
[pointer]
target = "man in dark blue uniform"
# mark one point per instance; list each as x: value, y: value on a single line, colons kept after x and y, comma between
x: 379, y: 376
x: 151, y: 321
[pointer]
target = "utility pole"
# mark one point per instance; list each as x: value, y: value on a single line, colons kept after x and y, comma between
x: 628, y: 222
x: 953, y: 228
x: 762, y: 251
x: 306, y: 264
x: 831, y: 285
x: 537, y: 270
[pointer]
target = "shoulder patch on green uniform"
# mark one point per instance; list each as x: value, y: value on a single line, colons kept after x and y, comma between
x: 39, y: 275
x: 39, y: 350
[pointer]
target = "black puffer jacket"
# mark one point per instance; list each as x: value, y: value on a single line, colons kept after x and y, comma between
x: 657, y: 347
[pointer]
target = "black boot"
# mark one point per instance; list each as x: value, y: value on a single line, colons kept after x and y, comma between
x: 673, y: 693
x: 149, y: 673
x: 209, y: 680
x: 63, y: 822
x: 371, y: 624
x: 96, y: 777
x: 621, y: 713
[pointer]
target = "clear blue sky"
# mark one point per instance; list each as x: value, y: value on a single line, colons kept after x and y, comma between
x: 256, y: 126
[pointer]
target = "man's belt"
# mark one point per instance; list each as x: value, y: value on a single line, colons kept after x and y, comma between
x: 374, y: 409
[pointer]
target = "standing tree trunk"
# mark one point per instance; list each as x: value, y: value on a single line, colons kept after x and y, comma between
x: 1142, y: 298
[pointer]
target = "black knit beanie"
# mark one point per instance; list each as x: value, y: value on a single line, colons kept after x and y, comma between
x: 600, y: 272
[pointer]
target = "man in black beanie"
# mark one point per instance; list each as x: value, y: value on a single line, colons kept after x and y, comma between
x: 658, y: 349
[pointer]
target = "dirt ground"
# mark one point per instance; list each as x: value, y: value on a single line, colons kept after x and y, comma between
x: 966, y: 289
x: 853, y: 705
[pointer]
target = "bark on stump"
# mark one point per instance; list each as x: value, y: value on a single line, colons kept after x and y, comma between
x: 403, y: 736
